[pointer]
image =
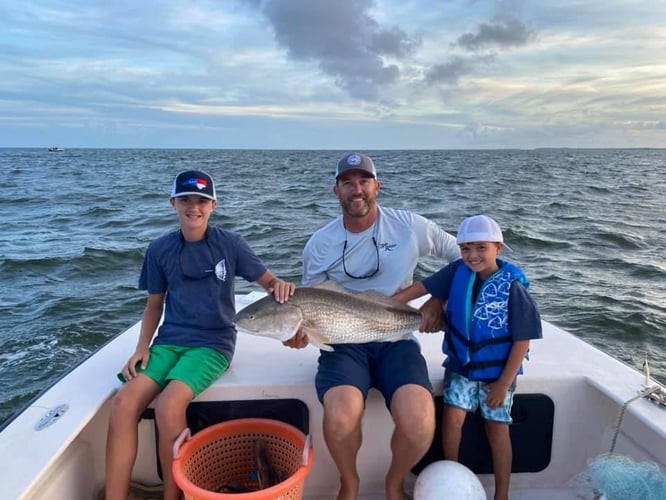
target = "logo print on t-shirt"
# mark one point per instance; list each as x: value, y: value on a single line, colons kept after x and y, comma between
x: 221, y: 270
x: 387, y: 247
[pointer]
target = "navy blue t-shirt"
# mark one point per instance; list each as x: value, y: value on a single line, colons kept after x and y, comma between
x: 198, y: 279
x: 524, y: 317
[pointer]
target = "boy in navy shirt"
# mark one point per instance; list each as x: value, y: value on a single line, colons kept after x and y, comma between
x: 189, y: 275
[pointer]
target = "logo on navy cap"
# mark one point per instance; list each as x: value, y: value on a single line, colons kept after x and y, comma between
x: 195, y: 182
x: 354, y: 159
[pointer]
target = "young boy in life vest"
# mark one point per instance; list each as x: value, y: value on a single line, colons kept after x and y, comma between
x: 490, y: 320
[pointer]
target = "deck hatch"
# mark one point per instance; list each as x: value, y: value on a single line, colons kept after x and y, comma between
x: 531, y: 437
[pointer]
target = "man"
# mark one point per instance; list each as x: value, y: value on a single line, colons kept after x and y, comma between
x: 368, y: 248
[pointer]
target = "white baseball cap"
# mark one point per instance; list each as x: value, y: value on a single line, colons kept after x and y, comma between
x: 480, y: 228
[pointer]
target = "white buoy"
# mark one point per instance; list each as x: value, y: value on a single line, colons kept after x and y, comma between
x: 450, y: 480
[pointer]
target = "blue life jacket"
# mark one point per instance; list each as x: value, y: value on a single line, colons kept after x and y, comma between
x: 478, y: 335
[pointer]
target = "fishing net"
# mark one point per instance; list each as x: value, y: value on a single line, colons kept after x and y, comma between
x: 620, y: 478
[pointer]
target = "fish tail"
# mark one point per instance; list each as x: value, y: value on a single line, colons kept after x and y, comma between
x: 266, y: 475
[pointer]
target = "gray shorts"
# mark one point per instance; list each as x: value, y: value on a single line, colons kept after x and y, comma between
x: 469, y: 395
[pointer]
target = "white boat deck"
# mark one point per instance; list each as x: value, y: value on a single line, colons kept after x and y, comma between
x: 589, y: 388
x: 66, y: 459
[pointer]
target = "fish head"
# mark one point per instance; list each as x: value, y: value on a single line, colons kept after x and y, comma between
x: 268, y: 318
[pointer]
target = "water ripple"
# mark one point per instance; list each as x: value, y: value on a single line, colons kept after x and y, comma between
x: 586, y: 225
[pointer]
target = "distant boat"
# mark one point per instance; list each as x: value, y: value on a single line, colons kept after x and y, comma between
x: 55, y: 149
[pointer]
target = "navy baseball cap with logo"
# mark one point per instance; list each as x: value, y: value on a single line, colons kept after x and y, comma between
x: 355, y: 161
x: 193, y: 182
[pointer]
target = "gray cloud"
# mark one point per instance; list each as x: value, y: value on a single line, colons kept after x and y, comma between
x: 448, y: 72
x: 342, y: 37
x: 500, y: 32
x: 451, y: 71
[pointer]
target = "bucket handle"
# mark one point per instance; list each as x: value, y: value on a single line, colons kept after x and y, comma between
x: 306, y: 449
x: 185, y: 435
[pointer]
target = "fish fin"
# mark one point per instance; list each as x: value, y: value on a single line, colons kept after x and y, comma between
x: 331, y: 285
x: 371, y: 295
x: 317, y: 338
x: 386, y: 300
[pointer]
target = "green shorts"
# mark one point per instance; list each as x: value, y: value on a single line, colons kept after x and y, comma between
x: 198, y: 367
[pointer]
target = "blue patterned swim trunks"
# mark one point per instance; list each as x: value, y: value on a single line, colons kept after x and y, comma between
x: 468, y: 394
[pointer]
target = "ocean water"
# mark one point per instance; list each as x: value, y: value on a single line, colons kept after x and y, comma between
x: 588, y: 227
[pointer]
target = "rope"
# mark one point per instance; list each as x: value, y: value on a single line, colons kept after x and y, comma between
x: 644, y: 393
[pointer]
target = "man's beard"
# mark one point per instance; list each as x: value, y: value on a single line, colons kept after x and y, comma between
x: 349, y: 208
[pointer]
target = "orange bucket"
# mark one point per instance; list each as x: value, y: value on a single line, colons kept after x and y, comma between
x: 222, y: 454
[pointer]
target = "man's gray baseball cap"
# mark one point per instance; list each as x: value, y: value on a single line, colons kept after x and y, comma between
x: 355, y: 161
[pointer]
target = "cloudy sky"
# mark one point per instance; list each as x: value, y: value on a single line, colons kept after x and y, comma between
x: 333, y: 74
